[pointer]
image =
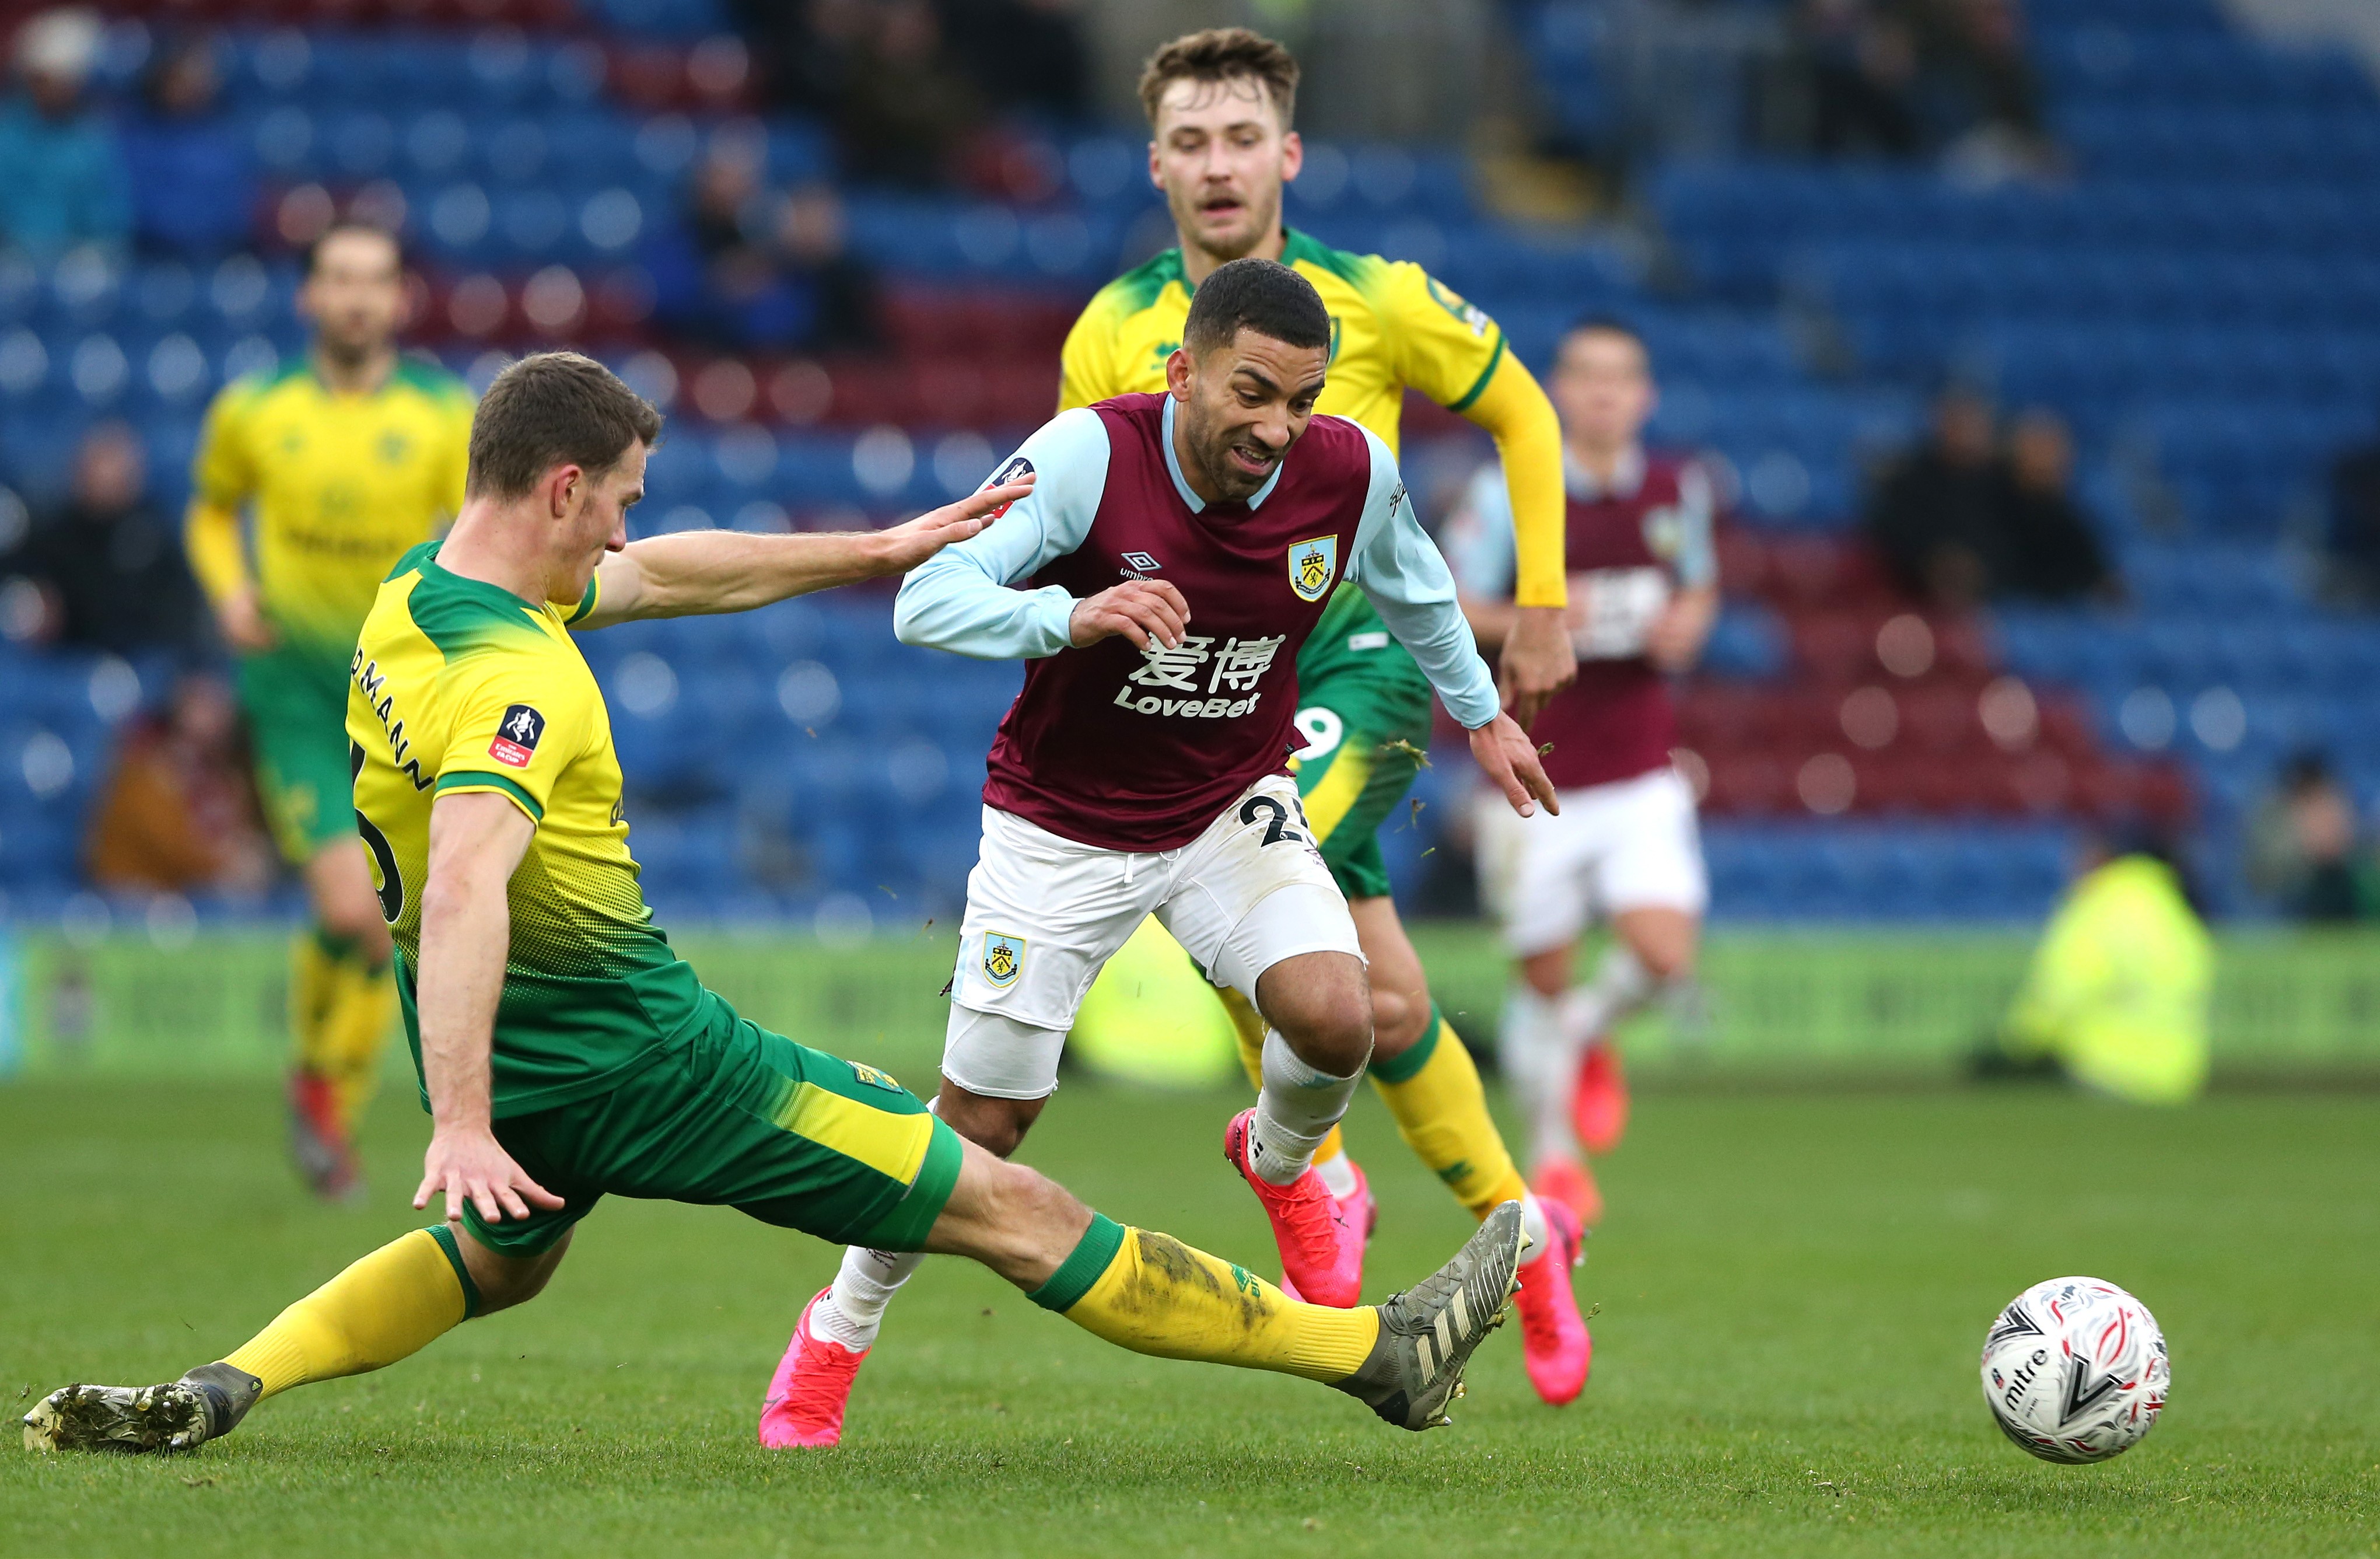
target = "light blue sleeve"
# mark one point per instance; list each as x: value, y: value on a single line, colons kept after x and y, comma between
x: 1697, y: 559
x: 1477, y: 538
x: 1401, y: 572
x: 962, y: 598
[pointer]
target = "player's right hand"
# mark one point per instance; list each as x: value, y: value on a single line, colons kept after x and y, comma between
x: 244, y: 626
x: 903, y: 547
x: 1509, y: 759
x: 1138, y: 609
x: 469, y: 1165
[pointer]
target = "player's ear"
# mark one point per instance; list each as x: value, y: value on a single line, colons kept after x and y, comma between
x: 562, y: 485
x: 1156, y: 173
x: 1292, y: 155
x: 1177, y: 373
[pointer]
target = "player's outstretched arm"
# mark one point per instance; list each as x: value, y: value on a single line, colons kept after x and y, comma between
x: 1538, y: 659
x: 709, y: 571
x: 1509, y: 759
x: 477, y: 839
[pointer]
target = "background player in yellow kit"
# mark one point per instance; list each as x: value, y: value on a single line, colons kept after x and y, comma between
x: 339, y: 460
x: 1220, y: 106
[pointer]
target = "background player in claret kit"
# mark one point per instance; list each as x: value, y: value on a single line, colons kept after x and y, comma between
x: 1177, y: 552
x: 1644, y: 593
x: 343, y: 458
x: 1220, y: 106
x: 565, y: 1053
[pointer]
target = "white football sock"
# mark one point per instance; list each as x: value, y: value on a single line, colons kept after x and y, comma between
x: 1533, y: 1223
x: 1538, y: 1062
x: 1621, y: 985
x: 853, y: 1311
x: 1338, y: 1172
x: 1295, y: 1110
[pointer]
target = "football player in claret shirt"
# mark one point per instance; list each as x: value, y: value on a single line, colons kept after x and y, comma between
x: 1220, y: 105
x: 1644, y: 593
x: 1176, y: 554
x: 564, y: 1051
x: 343, y: 458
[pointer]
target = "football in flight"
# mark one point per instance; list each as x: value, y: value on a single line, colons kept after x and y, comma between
x: 2075, y: 1370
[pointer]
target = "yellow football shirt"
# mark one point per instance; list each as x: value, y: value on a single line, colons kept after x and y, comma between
x: 341, y: 485
x: 459, y: 686
x: 1393, y: 327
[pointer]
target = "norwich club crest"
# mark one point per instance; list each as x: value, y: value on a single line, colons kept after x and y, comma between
x: 1312, y: 565
x: 1003, y: 958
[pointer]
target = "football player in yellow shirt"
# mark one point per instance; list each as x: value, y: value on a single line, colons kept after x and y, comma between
x: 337, y: 461
x: 1220, y: 106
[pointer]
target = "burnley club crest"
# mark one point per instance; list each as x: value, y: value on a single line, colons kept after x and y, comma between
x: 1312, y: 565
x: 1003, y: 958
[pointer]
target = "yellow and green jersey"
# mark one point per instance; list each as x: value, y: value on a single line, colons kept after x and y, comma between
x: 341, y: 485
x: 1393, y: 326
x: 459, y: 686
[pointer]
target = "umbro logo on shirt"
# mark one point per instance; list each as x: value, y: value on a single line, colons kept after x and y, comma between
x: 517, y: 736
x: 1139, y: 565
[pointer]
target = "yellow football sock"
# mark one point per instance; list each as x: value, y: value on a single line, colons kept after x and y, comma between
x: 1433, y: 1091
x: 315, y: 960
x: 353, y: 1035
x: 1249, y: 1025
x: 1152, y: 1294
x: 390, y: 1304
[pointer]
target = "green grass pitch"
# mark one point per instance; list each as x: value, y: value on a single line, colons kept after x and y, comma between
x: 1792, y: 1293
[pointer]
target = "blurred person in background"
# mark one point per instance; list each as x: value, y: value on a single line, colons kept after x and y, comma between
x: 2049, y: 551
x: 2351, y: 531
x: 833, y: 290
x: 106, y: 564
x: 1861, y: 69
x: 1935, y: 515
x: 1022, y: 54
x: 1644, y: 595
x: 192, y: 187
x: 346, y: 455
x: 1979, y: 89
x: 712, y: 270
x: 2304, y: 849
x: 178, y: 810
x: 905, y: 107
x: 2120, y: 989
x: 63, y: 180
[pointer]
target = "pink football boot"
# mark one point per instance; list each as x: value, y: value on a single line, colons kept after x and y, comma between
x: 1571, y: 1183
x: 1554, y: 1340
x: 1321, y: 1253
x: 810, y: 1389
x: 1598, y: 1098
x: 1359, y: 1211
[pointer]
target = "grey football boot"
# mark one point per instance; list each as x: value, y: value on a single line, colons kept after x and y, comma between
x: 178, y: 1416
x: 1428, y: 1333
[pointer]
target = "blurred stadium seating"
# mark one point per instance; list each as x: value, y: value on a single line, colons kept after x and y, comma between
x: 2201, y: 298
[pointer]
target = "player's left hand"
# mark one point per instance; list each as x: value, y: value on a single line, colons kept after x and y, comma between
x: 1538, y: 662
x: 905, y: 546
x: 1506, y: 756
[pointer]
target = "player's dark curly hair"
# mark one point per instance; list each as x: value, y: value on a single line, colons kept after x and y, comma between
x: 1219, y: 54
x: 1260, y: 295
x: 555, y: 409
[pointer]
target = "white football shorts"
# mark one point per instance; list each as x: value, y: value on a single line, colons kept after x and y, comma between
x: 1629, y: 844
x: 1044, y: 914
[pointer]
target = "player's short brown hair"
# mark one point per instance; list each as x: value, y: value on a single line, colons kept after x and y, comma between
x: 555, y: 409
x: 1218, y: 54
x: 1252, y: 293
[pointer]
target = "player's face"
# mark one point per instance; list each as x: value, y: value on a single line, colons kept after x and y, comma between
x: 1603, y: 389
x: 356, y: 294
x: 1242, y: 407
x: 595, y: 520
x: 1220, y: 153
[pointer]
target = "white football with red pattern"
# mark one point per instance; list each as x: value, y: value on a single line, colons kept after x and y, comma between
x: 2075, y: 1370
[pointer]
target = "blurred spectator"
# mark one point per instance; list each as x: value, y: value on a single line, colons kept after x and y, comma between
x: 1935, y: 515
x: 2120, y: 989
x: 2352, y: 539
x: 108, y: 565
x: 806, y: 50
x: 748, y: 267
x: 2303, y: 852
x: 1862, y: 72
x: 189, y: 162
x: 1979, y: 87
x: 1022, y: 54
x: 2049, y: 551
x: 179, y: 813
x: 904, y: 109
x: 62, y: 176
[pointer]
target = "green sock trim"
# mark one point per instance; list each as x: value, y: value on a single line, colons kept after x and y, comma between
x: 444, y: 1236
x: 1405, y: 1068
x: 1092, y: 1258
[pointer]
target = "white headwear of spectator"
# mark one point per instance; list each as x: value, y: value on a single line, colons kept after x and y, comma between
x: 62, y: 44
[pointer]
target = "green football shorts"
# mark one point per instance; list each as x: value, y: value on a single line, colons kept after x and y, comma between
x: 296, y: 704
x: 1367, y: 731
x: 742, y: 1118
